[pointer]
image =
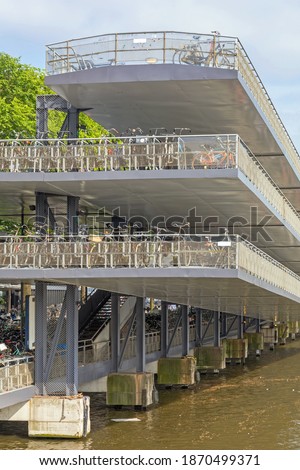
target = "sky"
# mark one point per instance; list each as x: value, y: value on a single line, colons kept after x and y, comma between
x: 268, y: 29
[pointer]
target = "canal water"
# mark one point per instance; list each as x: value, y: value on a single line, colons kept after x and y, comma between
x: 254, y: 406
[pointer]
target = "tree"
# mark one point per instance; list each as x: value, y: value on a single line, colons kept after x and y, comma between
x: 19, y: 86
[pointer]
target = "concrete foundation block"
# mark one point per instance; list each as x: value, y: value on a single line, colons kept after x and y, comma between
x: 270, y: 335
x: 176, y: 370
x: 59, y: 417
x: 130, y: 389
x: 293, y: 327
x: 210, y: 357
x: 255, y: 341
x: 235, y: 348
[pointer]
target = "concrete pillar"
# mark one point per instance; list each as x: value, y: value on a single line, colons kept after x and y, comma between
x: 59, y: 417
x: 210, y: 358
x: 236, y: 349
x: 176, y: 371
x: 270, y: 336
x: 130, y: 389
x: 283, y: 332
x: 255, y: 341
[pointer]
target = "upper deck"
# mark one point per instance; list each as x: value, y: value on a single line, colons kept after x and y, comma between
x: 173, y: 80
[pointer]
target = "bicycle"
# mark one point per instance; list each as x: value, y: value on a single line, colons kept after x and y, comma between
x: 218, y: 55
x: 190, y: 53
x: 209, y: 158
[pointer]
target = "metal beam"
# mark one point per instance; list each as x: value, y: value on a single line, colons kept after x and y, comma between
x: 55, y: 340
x: 115, y: 331
x: 217, y: 340
x: 185, y: 330
x: 240, y: 329
x: 72, y: 341
x: 198, y: 312
x: 140, y: 335
x: 40, y: 336
x: 164, y: 333
x: 72, y: 215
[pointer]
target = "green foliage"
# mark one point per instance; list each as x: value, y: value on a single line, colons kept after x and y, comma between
x: 9, y: 227
x: 19, y: 86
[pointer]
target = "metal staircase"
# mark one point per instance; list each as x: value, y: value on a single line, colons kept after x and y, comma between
x: 99, y: 305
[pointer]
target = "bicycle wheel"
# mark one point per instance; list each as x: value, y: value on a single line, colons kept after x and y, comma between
x: 202, y: 160
x: 176, y: 56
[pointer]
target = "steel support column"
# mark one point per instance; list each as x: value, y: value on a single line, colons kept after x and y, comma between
x: 217, y: 339
x: 257, y: 325
x: 40, y: 336
x: 72, y: 215
x: 115, y: 331
x: 185, y: 330
x: 41, y: 210
x: 45, y: 103
x: 199, y: 332
x: 240, y: 329
x: 223, y: 324
x: 140, y: 335
x: 164, y: 333
x: 72, y: 341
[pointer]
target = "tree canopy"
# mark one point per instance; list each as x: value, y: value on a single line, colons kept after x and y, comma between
x: 20, y: 84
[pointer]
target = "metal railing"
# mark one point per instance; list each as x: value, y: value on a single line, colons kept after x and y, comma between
x: 16, y: 373
x: 145, y: 153
x: 211, y: 50
x: 159, y: 47
x: 153, y: 251
x: 113, y: 154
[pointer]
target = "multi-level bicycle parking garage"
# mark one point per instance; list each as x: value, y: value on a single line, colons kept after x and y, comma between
x: 199, y: 211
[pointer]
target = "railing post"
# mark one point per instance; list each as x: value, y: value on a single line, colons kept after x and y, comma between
x: 116, y: 48
x: 164, y: 48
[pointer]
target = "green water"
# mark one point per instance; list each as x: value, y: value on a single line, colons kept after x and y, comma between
x: 256, y: 406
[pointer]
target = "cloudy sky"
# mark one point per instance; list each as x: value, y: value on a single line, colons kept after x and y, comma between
x: 268, y: 29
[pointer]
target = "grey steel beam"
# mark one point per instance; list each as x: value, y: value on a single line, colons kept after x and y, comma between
x: 72, y: 215
x: 41, y: 210
x: 217, y: 340
x: 140, y: 335
x: 55, y: 339
x: 198, y: 326
x: 40, y: 336
x: 257, y: 325
x: 185, y: 330
x: 72, y: 341
x: 164, y: 333
x: 115, y: 331
x: 223, y: 324
x: 240, y: 325
x: 178, y: 320
x: 44, y: 103
x: 132, y: 320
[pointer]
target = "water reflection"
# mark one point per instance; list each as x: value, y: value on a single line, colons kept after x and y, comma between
x: 256, y: 406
